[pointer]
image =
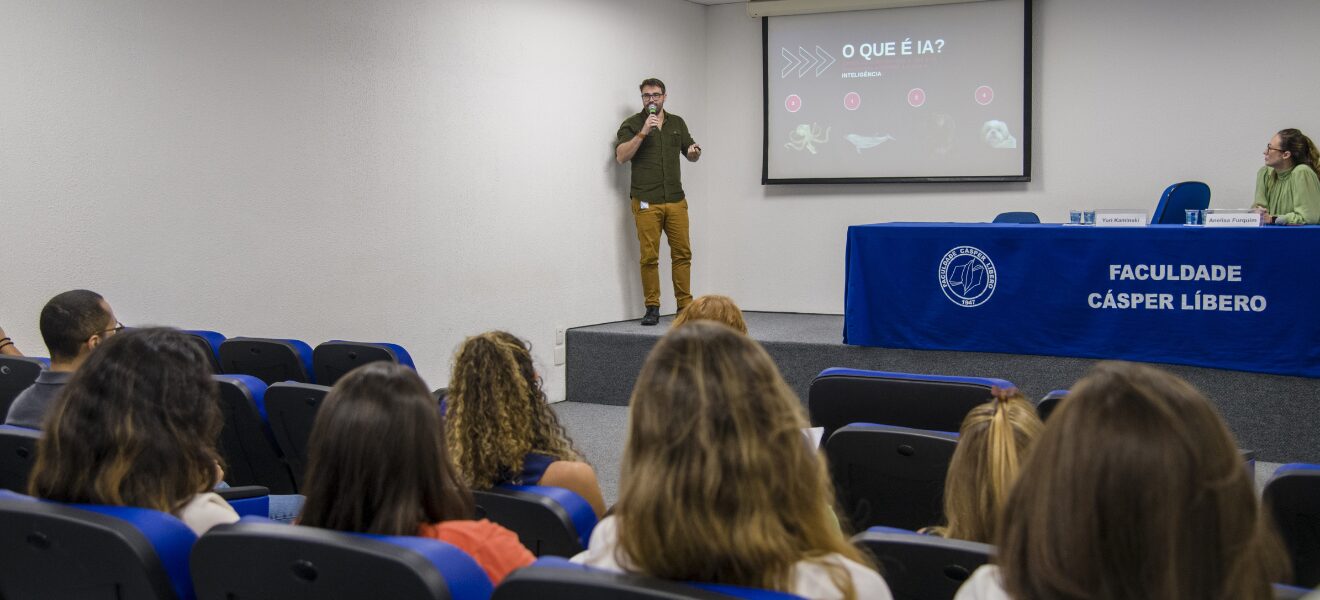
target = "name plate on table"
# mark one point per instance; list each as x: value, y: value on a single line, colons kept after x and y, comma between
x: 1214, y: 218
x: 1120, y: 218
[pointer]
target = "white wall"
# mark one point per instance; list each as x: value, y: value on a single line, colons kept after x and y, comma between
x: 410, y: 171
x: 1130, y: 96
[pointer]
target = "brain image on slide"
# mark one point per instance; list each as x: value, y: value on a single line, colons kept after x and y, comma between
x: 805, y: 137
x: 995, y: 134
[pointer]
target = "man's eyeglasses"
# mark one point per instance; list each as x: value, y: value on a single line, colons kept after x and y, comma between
x: 116, y: 329
x: 652, y: 96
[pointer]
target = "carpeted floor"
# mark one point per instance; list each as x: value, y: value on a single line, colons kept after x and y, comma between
x: 599, y: 431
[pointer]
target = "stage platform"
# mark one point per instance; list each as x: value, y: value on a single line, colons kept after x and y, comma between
x: 1277, y: 416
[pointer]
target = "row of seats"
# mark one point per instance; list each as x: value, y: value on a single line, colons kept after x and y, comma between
x: 273, y: 360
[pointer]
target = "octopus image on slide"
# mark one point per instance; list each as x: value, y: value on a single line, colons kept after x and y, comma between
x: 862, y: 141
x: 996, y: 135
x: 806, y: 137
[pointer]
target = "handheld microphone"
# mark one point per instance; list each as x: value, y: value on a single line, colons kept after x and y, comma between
x: 650, y: 108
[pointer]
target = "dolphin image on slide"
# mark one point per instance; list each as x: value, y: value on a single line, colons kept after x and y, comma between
x: 862, y: 141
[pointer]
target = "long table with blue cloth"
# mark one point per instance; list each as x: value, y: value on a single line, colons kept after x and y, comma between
x: 1245, y: 299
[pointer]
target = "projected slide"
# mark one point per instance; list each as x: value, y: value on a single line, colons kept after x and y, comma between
x: 931, y: 93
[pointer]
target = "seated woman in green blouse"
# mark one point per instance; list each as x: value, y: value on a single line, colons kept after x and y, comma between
x: 1287, y: 190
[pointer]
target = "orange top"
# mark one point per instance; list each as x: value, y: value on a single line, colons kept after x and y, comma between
x: 495, y: 548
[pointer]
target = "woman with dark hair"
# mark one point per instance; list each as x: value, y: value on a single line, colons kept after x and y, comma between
x: 1134, y: 490
x: 719, y: 485
x: 137, y: 426
x: 500, y: 427
x: 1287, y: 189
x: 377, y: 463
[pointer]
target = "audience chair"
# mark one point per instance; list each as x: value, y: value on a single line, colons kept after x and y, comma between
x: 1179, y: 197
x: 550, y: 521
x: 246, y: 442
x: 18, y: 453
x: 554, y: 578
x: 257, y: 559
x: 208, y: 341
x: 1017, y: 217
x: 16, y: 374
x: 291, y: 408
x: 1050, y: 402
x: 838, y: 397
x: 886, y: 475
x: 55, y: 550
x: 270, y: 360
x: 1293, y: 495
x: 923, y: 567
x: 335, y: 358
x: 247, y: 499
x: 1288, y: 592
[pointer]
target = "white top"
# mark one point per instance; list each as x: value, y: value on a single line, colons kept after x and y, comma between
x: 205, y: 511
x: 984, y: 584
x: 810, y: 579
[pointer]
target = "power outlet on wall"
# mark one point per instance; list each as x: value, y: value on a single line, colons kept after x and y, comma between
x: 560, y: 355
x: 560, y: 333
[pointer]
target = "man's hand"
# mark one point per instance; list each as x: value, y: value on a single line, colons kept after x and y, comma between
x: 652, y: 122
x: 694, y: 152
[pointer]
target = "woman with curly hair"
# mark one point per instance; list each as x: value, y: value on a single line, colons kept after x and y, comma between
x: 137, y: 426
x: 719, y: 485
x: 500, y: 428
x: 377, y: 417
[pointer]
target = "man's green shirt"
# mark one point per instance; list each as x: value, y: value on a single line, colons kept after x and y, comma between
x: 655, y: 174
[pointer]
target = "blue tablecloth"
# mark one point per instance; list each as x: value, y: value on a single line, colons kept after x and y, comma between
x: 1244, y: 299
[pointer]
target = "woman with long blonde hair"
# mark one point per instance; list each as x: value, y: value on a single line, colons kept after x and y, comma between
x: 500, y: 428
x: 992, y: 445
x: 718, y: 483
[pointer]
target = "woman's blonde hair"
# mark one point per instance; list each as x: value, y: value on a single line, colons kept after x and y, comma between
x: 497, y: 412
x: 718, y: 483
x: 992, y: 445
x: 1136, y: 490
x: 712, y: 307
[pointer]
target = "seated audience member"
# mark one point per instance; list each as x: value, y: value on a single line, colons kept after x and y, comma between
x: 378, y: 465
x: 1287, y: 189
x: 712, y: 307
x: 1135, y: 489
x: 717, y: 484
x: 72, y: 325
x: 992, y: 444
x: 7, y: 346
x: 501, y: 429
x: 136, y: 425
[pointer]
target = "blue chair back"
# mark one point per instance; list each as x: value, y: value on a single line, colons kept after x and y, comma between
x: 886, y: 475
x: 1293, y: 496
x: 252, y: 456
x: 18, y: 453
x: 549, y: 521
x: 838, y: 397
x: 554, y: 578
x: 16, y: 374
x: 256, y: 558
x: 209, y: 342
x: 1179, y: 197
x: 331, y: 360
x: 292, y: 408
x: 1049, y: 403
x: 923, y: 567
x: 1017, y: 217
x: 267, y: 359
x: 54, y: 550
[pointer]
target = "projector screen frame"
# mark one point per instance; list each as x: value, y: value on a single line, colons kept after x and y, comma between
x: 1026, y: 120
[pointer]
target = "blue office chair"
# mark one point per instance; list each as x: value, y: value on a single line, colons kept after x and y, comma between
x: 55, y: 550
x: 251, y: 454
x: 291, y: 408
x: 886, y: 475
x: 838, y: 397
x: 1017, y: 217
x: 1049, y: 403
x: 331, y: 360
x: 1179, y: 197
x: 549, y: 521
x: 209, y: 342
x: 923, y: 567
x: 1293, y: 495
x: 16, y: 374
x: 256, y: 558
x: 270, y: 360
x: 554, y: 578
x: 18, y: 453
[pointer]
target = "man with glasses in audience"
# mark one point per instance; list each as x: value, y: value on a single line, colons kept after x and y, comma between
x: 653, y: 139
x: 72, y: 324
